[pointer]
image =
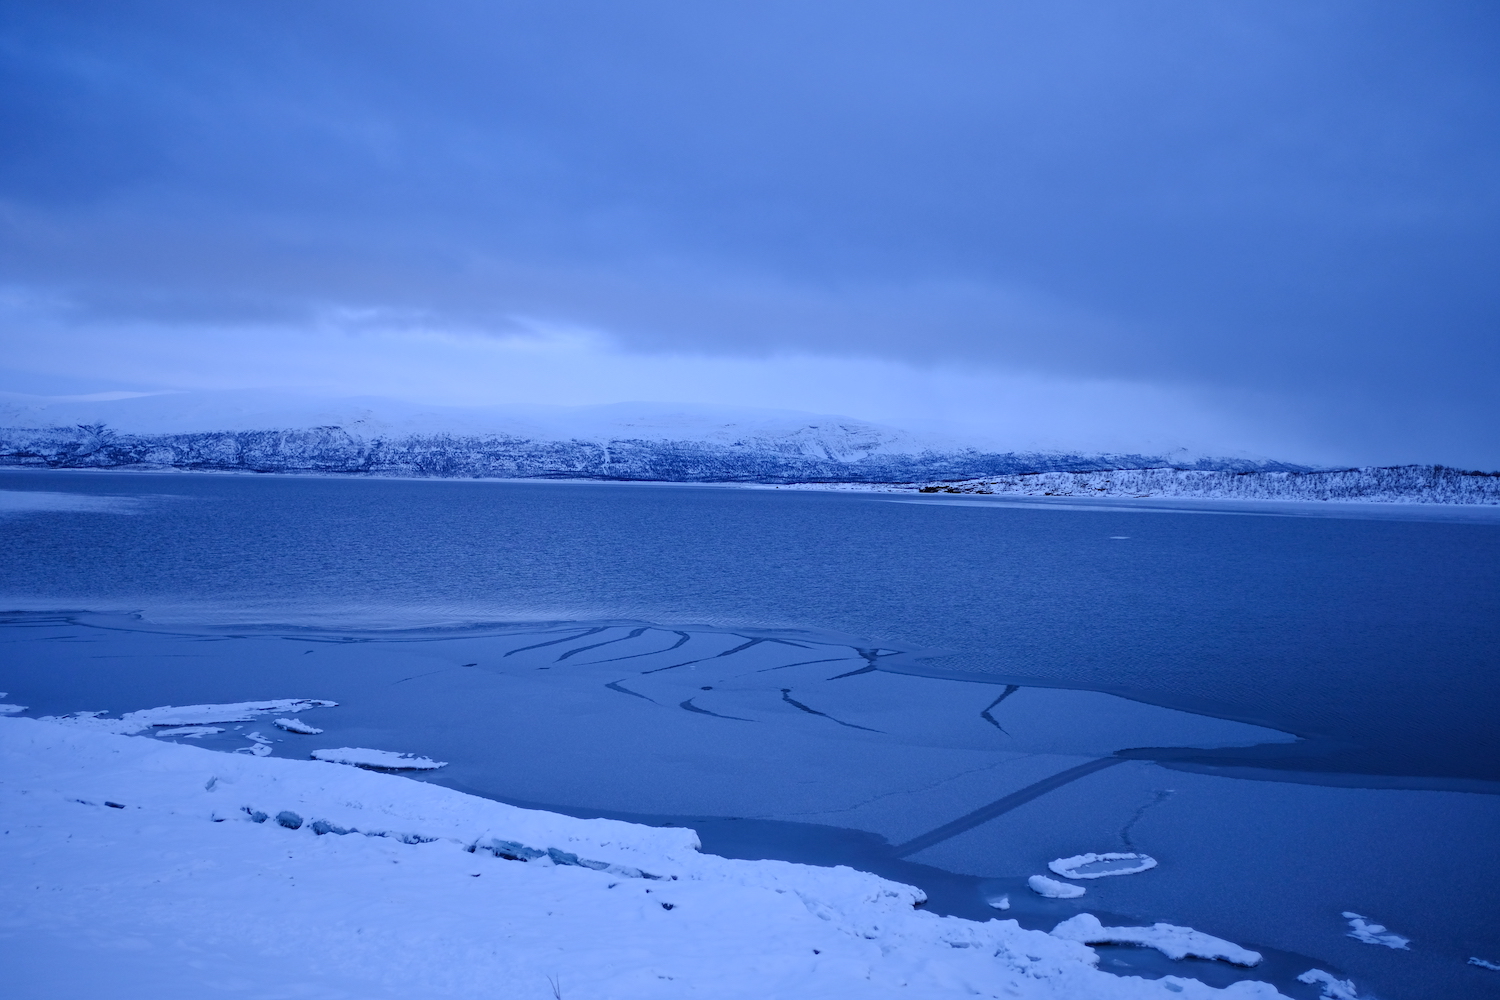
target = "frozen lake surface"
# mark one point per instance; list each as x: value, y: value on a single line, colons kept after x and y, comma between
x: 1292, y: 714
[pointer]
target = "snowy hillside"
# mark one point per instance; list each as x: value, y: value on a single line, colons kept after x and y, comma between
x: 259, y: 432
x: 1394, y: 484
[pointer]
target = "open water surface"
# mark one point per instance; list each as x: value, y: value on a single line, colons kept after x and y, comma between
x: 1291, y: 707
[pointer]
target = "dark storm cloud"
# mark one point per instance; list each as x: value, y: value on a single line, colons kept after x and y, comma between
x: 1297, y: 198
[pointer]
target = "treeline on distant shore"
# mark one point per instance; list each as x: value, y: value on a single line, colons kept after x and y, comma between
x: 334, y: 450
x: 1393, y: 484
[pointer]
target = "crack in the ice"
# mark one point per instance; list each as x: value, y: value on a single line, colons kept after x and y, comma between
x: 615, y: 686
x: 583, y: 649
x: 1002, y: 805
x: 554, y: 642
x: 913, y: 791
x: 867, y: 668
x: 1010, y: 689
x: 727, y: 652
x: 417, y: 676
x: 1161, y: 795
x: 800, y: 663
x: 786, y: 696
x: 654, y: 652
x: 703, y: 711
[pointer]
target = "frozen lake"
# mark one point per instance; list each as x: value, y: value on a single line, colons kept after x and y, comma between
x: 1290, y: 708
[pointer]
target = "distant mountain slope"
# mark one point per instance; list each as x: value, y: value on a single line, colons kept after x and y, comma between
x: 259, y: 432
x: 1389, y: 484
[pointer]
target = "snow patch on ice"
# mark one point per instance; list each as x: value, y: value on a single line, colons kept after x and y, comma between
x: 383, y: 760
x: 297, y: 726
x: 1053, y: 889
x: 1333, y: 988
x: 188, y: 715
x: 1172, y: 941
x: 1362, y: 929
x: 1101, y: 865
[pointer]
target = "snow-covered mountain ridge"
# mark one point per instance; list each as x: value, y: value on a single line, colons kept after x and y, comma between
x: 258, y: 432
x: 1389, y: 484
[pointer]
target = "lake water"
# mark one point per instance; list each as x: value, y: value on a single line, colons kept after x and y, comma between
x: 1291, y: 707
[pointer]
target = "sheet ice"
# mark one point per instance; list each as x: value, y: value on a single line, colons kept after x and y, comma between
x: 1363, y: 929
x: 1171, y: 941
x: 189, y: 715
x: 354, y: 883
x: 1053, y: 889
x: 384, y: 760
x: 1333, y: 987
x: 1101, y: 865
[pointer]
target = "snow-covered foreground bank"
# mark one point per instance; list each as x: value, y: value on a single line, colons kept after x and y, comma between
x: 207, y: 871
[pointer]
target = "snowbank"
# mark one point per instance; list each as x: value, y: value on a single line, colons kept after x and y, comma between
x: 297, y: 871
x: 1172, y: 941
x: 1101, y: 865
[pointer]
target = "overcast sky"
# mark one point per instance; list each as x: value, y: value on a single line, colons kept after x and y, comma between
x: 1246, y: 227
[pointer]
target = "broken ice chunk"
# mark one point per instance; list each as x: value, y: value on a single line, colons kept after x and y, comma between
x: 379, y: 760
x: 297, y: 726
x: 1101, y: 865
x: 1333, y: 989
x: 999, y: 902
x: 190, y: 732
x: 1492, y: 966
x: 1361, y: 929
x: 1172, y: 941
x: 1053, y: 889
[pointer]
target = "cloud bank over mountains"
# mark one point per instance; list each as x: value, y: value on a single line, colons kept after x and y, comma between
x: 1267, y: 228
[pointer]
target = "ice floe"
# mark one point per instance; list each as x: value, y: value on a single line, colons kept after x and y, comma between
x: 1172, y: 941
x: 1101, y: 865
x: 999, y: 902
x: 189, y: 732
x: 366, y: 880
x: 1053, y: 889
x: 1362, y: 929
x: 11, y: 709
x: 188, y: 715
x: 383, y: 760
x: 1492, y: 966
x: 297, y: 726
x: 1333, y: 987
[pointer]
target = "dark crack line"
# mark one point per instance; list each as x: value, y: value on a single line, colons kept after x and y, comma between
x: 615, y: 686
x: 582, y: 649
x: 1010, y: 689
x: 554, y: 642
x: 688, y: 663
x: 703, y: 711
x: 654, y: 652
x: 801, y: 663
x: 870, y: 668
x: 417, y: 676
x: 1002, y: 806
x: 1162, y: 795
x: 786, y: 696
